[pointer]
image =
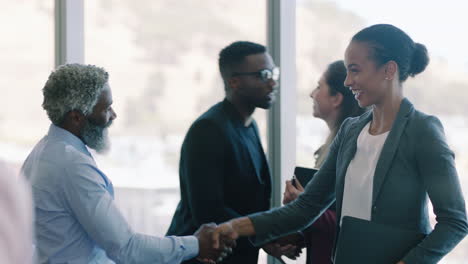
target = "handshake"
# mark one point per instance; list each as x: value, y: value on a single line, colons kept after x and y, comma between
x: 216, y: 242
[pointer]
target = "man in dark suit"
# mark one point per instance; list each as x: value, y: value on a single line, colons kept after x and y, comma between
x: 223, y: 169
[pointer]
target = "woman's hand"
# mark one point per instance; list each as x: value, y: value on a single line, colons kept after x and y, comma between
x: 291, y: 192
x: 225, y: 233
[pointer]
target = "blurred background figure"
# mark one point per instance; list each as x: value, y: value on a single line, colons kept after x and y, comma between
x: 17, y: 216
x: 333, y: 103
x: 222, y: 154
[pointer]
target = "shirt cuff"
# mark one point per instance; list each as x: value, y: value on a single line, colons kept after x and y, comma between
x: 190, y: 246
x: 261, y: 225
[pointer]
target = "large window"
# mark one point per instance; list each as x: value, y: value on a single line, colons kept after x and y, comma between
x: 325, y: 28
x: 26, y: 50
x: 162, y: 59
x: 323, y: 32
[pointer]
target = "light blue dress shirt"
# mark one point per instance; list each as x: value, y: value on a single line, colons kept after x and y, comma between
x: 77, y: 221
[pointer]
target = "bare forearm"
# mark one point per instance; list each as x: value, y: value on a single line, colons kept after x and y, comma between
x: 243, y: 226
x: 233, y: 229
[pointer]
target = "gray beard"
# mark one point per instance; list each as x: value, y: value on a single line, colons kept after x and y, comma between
x: 96, y: 137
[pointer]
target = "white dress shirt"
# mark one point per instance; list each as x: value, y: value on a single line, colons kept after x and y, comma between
x: 358, y: 187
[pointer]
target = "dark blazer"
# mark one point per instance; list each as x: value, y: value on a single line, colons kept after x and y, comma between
x: 415, y: 164
x: 223, y: 175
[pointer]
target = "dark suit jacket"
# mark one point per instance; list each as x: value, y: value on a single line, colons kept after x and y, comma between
x: 223, y: 175
x: 415, y: 164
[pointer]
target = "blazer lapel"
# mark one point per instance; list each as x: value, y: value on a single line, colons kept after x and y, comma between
x: 237, y: 124
x: 390, y: 147
x: 255, y: 162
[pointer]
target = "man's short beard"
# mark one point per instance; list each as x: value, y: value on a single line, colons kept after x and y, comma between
x: 96, y: 136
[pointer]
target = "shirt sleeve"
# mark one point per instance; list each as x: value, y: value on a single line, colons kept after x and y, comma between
x: 87, y: 196
x: 436, y: 166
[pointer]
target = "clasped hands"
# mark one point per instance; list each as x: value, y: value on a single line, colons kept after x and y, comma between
x: 214, y: 244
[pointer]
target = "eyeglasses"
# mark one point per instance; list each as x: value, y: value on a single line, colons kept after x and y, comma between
x: 265, y: 75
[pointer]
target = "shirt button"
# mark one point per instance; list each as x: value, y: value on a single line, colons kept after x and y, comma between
x: 374, y: 209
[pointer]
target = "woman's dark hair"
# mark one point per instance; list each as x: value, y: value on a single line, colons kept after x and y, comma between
x: 335, y: 76
x: 389, y: 43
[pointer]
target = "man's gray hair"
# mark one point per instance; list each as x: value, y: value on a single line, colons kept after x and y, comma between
x: 73, y: 87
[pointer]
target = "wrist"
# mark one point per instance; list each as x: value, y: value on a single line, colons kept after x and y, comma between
x: 190, y: 246
x: 243, y: 226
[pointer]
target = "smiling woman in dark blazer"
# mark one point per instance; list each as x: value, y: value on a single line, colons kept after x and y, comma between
x: 409, y: 157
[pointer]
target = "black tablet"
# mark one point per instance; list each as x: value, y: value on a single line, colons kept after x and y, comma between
x: 304, y: 175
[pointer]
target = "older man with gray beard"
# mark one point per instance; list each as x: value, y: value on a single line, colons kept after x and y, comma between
x: 77, y: 220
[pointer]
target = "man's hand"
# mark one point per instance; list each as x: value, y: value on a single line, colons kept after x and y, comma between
x: 291, y: 192
x: 401, y: 262
x: 206, y: 251
x: 289, y: 246
x: 296, y: 239
x: 276, y: 250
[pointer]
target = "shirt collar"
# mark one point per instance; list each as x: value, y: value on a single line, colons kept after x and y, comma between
x: 235, y: 115
x: 65, y: 135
